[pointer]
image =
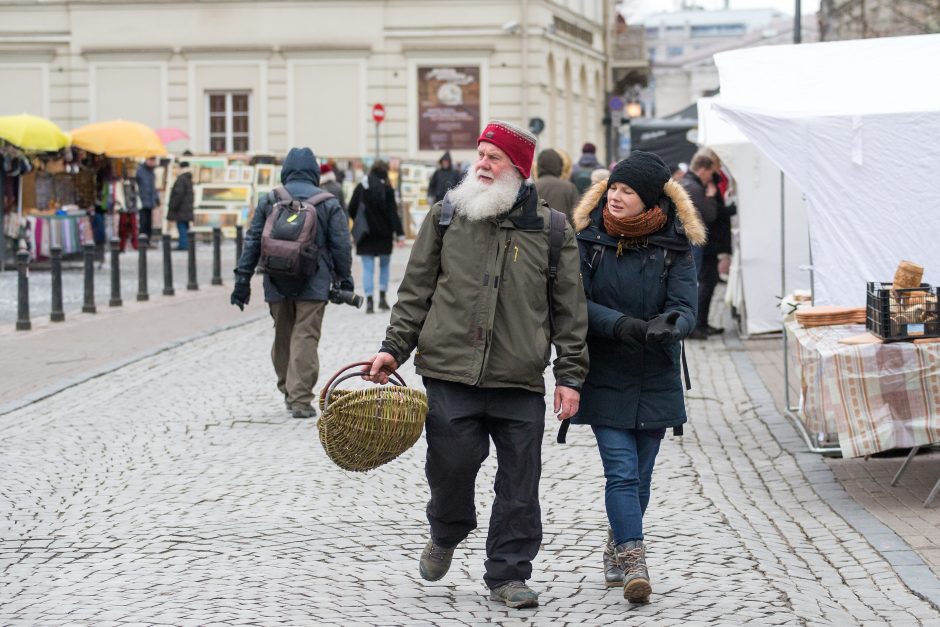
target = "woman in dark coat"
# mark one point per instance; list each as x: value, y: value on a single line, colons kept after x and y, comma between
x: 377, y: 198
x: 180, y: 205
x: 634, y: 231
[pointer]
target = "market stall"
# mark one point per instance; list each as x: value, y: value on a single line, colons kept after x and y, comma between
x: 863, y: 159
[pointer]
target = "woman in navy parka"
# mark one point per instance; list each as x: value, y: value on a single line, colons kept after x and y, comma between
x: 634, y: 232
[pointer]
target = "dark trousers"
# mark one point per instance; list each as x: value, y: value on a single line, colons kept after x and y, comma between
x: 146, y: 222
x: 707, y: 280
x: 461, y: 421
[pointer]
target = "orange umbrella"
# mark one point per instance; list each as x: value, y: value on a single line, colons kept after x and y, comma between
x: 119, y: 138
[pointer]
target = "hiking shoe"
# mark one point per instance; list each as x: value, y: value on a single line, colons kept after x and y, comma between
x: 613, y: 574
x: 515, y: 594
x: 698, y: 334
x: 631, y: 557
x: 435, y: 561
x: 710, y: 330
x: 303, y: 411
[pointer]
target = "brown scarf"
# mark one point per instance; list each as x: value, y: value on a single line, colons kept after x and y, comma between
x: 633, y: 231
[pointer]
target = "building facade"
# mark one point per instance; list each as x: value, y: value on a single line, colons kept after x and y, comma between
x: 264, y: 75
x: 860, y: 19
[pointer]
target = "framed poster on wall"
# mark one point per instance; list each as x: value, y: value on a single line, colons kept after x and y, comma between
x: 448, y: 107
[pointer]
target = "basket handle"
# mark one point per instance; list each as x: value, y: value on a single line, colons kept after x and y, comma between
x: 339, y: 377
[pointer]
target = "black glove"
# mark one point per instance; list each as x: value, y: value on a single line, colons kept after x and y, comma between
x: 347, y: 285
x: 630, y: 331
x: 241, y: 294
x: 663, y: 328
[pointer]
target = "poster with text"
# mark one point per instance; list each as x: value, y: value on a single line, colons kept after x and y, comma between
x: 448, y: 107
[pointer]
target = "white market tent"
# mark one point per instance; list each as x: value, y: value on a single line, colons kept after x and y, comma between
x: 856, y: 125
x: 756, y: 275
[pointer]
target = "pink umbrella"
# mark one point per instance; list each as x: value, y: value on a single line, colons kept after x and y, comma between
x: 171, y: 134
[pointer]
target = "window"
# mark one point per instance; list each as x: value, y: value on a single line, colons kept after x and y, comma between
x: 229, y: 121
x: 674, y: 51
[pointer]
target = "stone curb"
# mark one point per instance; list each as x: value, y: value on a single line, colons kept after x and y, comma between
x: 909, y: 566
x: 51, y: 390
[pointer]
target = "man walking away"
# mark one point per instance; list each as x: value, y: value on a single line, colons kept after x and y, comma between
x: 149, y: 198
x: 560, y: 194
x: 581, y: 174
x: 180, y: 207
x: 297, y: 304
x: 445, y: 177
x: 704, y: 194
x: 475, y: 303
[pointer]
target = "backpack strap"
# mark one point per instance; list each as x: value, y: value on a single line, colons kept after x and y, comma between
x: 556, y: 239
x: 280, y: 194
x: 447, y: 214
x: 316, y: 199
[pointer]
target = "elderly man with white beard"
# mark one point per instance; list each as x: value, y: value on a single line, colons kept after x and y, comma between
x: 475, y: 302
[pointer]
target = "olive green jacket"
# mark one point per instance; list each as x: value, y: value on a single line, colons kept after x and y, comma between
x: 474, y: 302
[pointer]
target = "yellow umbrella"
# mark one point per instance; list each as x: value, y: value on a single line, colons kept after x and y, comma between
x: 119, y: 138
x: 29, y: 132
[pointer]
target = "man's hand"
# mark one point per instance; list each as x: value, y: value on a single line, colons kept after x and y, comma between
x: 567, y: 401
x: 382, y: 364
x: 711, y: 190
x: 241, y: 293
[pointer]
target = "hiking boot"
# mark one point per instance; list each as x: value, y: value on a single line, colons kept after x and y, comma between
x: 383, y: 304
x: 698, y: 333
x: 370, y: 307
x: 613, y: 574
x: 631, y: 557
x: 303, y: 411
x: 435, y: 561
x: 710, y: 330
x: 515, y: 594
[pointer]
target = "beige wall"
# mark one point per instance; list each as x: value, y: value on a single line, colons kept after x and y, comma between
x: 30, y: 94
x: 314, y: 69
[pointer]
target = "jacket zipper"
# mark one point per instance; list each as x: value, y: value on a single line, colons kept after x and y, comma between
x: 488, y: 331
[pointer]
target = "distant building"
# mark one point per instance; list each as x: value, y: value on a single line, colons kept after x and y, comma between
x: 860, y: 19
x: 682, y: 45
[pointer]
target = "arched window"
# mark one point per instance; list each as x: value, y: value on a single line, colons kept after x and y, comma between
x: 552, y: 108
x: 585, y: 132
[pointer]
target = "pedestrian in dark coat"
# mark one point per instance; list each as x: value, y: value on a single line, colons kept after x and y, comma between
x: 703, y: 191
x: 297, y: 305
x: 445, y: 177
x: 634, y: 232
x: 560, y: 194
x: 149, y: 197
x: 180, y: 207
x: 329, y: 183
x: 377, y: 198
x: 587, y: 163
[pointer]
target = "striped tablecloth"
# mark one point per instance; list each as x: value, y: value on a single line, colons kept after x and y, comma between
x: 875, y: 396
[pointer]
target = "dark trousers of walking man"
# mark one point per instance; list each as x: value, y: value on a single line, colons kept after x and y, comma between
x: 707, y: 281
x: 461, y: 421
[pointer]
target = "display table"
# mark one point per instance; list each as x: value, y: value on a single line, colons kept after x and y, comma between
x: 875, y: 396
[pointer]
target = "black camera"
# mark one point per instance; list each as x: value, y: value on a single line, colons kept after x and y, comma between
x: 345, y: 297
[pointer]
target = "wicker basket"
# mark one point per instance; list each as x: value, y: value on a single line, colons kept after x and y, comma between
x: 363, y: 429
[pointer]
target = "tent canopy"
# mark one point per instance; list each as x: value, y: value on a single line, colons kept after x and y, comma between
x: 864, y: 157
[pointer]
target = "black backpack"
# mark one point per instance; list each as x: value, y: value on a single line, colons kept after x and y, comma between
x: 288, y: 241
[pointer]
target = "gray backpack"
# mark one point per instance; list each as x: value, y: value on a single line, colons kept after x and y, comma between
x: 288, y: 241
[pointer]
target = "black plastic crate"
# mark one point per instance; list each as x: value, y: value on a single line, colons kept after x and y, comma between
x: 905, y: 314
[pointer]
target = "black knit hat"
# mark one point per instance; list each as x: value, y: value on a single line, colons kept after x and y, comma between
x: 645, y: 172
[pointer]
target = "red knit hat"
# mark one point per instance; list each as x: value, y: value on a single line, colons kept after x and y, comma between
x: 325, y: 168
x: 518, y: 144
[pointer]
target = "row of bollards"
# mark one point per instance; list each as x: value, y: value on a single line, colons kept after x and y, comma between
x: 23, y: 322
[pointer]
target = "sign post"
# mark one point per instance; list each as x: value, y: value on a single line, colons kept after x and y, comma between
x: 378, y: 114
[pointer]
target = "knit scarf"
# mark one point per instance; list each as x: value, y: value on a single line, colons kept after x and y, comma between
x: 632, y: 231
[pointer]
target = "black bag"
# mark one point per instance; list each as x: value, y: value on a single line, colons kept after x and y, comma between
x: 360, y: 226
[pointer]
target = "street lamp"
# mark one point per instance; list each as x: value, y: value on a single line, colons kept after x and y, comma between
x: 634, y: 109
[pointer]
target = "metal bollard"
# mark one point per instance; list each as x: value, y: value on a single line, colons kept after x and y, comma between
x: 22, y: 310
x: 88, y: 250
x: 239, y: 243
x: 167, y: 266
x: 143, y: 245
x: 115, y: 273
x: 216, y: 256
x: 57, y: 315
x: 192, y: 285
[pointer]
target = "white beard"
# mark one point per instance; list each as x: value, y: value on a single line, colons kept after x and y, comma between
x: 478, y: 201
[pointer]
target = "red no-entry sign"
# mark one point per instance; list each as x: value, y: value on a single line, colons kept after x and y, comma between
x: 378, y: 113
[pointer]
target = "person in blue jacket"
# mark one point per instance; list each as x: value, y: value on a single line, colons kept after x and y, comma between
x: 634, y: 232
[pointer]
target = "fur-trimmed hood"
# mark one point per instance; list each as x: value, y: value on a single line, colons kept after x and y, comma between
x: 688, y: 215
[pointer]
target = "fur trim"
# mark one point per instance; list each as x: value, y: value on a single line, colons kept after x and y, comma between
x: 687, y: 213
x: 581, y: 216
x: 685, y: 210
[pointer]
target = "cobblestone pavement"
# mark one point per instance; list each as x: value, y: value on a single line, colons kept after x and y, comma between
x: 176, y: 490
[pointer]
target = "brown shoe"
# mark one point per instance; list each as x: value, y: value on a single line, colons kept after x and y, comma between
x: 435, y: 561
x: 631, y: 557
x: 613, y: 574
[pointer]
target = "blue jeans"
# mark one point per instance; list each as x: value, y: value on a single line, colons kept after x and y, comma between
x: 628, y: 457
x: 183, y: 229
x: 368, y: 273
